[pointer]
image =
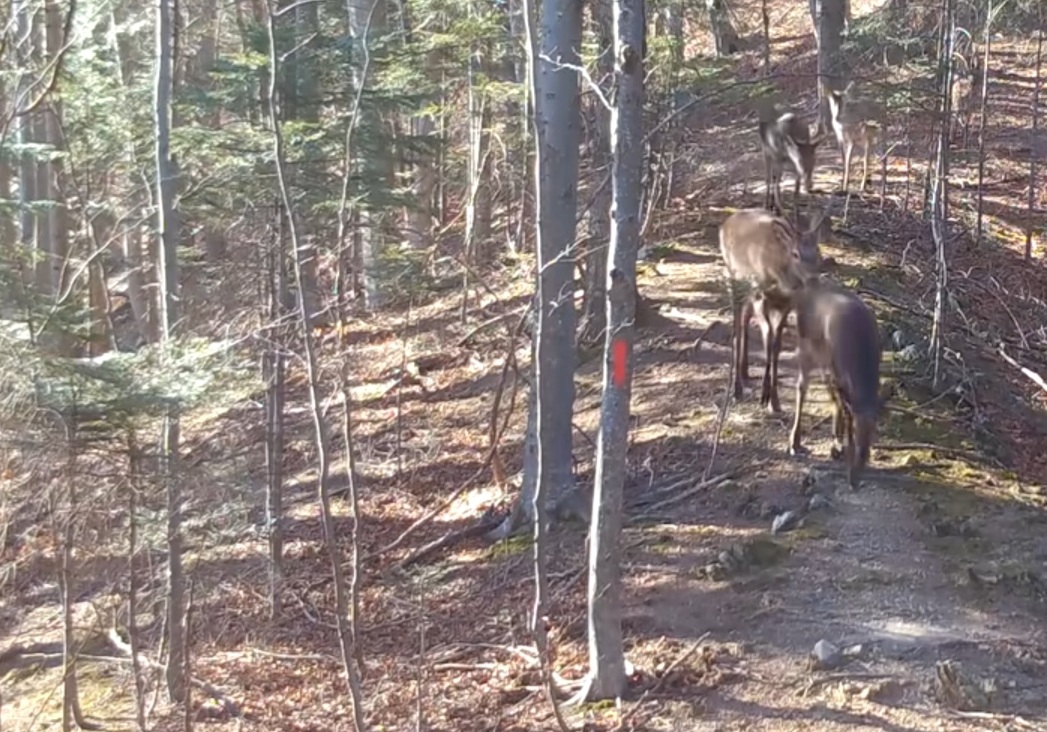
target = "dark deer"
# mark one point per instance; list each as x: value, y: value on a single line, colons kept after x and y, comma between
x: 786, y: 143
x: 767, y: 258
x: 837, y: 334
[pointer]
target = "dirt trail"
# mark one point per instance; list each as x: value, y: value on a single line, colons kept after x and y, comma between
x: 867, y: 570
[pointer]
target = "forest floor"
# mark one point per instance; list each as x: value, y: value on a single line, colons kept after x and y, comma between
x: 931, y: 579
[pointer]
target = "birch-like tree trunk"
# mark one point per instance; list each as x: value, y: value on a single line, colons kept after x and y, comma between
x: 167, y: 267
x: 548, y: 454
x: 607, y: 677
x: 594, y: 303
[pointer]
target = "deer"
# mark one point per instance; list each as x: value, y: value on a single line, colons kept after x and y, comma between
x: 837, y: 334
x: 786, y: 143
x: 853, y: 122
x: 767, y: 258
x: 965, y: 94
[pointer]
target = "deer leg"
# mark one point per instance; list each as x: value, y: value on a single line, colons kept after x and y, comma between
x: 778, y: 191
x: 801, y: 394
x: 837, y: 450
x: 852, y: 452
x: 865, y: 165
x: 768, y: 181
x: 767, y: 331
x: 848, y: 149
x: 777, y: 329
x: 749, y: 308
x: 742, y: 309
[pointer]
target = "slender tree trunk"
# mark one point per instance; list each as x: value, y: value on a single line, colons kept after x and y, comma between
x: 478, y: 197
x: 594, y: 313
x: 939, y: 200
x: 167, y: 261
x: 607, y: 678
x: 273, y: 374
x: 320, y: 426
x: 1034, y: 183
x: 989, y: 13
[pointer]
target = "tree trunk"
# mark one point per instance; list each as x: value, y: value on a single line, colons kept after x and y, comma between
x: 725, y: 37
x: 321, y: 431
x: 24, y: 136
x: 830, y: 30
x: 1034, y: 184
x: 556, y: 105
x: 367, y: 20
x: 607, y: 679
x: 167, y: 261
x: 593, y: 303
x: 478, y: 197
x: 273, y: 367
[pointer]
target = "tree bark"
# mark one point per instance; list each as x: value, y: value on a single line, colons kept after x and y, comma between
x: 367, y: 20
x: 556, y: 108
x: 607, y: 679
x: 830, y: 31
x: 594, y: 303
x: 167, y: 261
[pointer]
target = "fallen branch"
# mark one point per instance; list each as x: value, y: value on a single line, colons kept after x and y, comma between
x: 1032, y: 375
x: 211, y: 690
x: 489, y: 322
x: 486, y: 524
x: 699, y: 486
x: 1012, y: 718
x: 953, y: 451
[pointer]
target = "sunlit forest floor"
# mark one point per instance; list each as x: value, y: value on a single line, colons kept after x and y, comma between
x: 929, y: 579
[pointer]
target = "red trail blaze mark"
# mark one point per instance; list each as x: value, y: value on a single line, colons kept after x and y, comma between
x: 619, y: 362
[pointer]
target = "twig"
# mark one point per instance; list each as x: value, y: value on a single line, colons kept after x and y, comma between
x: 700, y: 485
x: 658, y: 684
x: 721, y: 417
x: 1012, y: 718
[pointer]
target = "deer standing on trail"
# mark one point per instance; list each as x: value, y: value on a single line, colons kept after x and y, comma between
x: 767, y: 260
x: 854, y: 121
x: 966, y: 93
x: 786, y: 143
x: 837, y: 334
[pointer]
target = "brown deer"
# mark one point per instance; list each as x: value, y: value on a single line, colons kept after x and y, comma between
x: 837, y: 334
x: 966, y: 93
x: 853, y: 121
x: 767, y: 259
x: 786, y: 142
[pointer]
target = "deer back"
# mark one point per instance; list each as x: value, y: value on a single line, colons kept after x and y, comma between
x: 838, y: 333
x: 768, y: 251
